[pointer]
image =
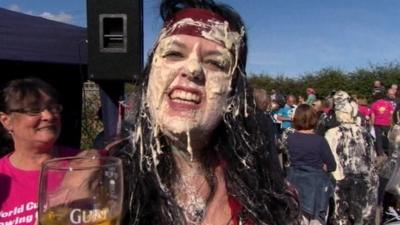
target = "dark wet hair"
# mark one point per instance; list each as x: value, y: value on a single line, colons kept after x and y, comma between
x: 25, y: 93
x: 305, y: 117
x: 243, y: 142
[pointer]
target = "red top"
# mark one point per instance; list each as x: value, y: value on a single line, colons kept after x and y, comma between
x: 383, y: 111
x: 364, y: 110
x: 236, y: 209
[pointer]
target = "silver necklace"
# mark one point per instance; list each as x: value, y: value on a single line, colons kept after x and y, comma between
x: 194, y: 205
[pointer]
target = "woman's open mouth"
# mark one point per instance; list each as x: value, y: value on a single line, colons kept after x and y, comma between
x: 184, y: 99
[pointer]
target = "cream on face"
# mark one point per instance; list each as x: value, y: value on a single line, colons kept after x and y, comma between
x: 188, y: 85
x: 217, y: 32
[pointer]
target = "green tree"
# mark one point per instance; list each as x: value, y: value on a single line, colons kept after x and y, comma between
x: 359, y: 82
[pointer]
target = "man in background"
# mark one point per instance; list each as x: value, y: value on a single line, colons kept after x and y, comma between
x: 285, y: 114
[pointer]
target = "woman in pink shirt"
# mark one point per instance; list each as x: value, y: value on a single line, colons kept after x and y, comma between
x: 364, y: 111
x: 31, y: 114
x: 381, y: 118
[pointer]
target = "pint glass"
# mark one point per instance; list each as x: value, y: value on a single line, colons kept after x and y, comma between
x: 81, y: 191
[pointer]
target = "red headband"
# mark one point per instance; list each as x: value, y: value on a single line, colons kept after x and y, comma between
x: 196, y: 14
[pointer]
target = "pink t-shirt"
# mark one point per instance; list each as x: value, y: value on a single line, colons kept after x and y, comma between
x: 364, y: 110
x: 383, y: 111
x: 19, y: 191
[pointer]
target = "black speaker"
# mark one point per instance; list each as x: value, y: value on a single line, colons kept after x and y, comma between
x: 115, y: 39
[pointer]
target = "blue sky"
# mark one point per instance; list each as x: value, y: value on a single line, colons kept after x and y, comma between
x: 286, y: 37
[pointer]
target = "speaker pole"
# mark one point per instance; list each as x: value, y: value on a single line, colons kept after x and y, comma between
x: 115, y: 53
x: 111, y: 92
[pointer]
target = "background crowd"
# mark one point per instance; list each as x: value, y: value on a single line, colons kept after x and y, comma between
x: 339, y: 151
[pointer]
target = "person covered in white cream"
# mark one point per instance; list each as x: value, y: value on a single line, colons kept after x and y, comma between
x: 356, y: 191
x: 200, y: 152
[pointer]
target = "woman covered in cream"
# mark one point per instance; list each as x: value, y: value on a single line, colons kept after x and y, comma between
x: 199, y: 151
x: 357, y: 180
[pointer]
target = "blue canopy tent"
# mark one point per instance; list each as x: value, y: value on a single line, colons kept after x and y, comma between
x: 34, y: 39
x: 32, y: 46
